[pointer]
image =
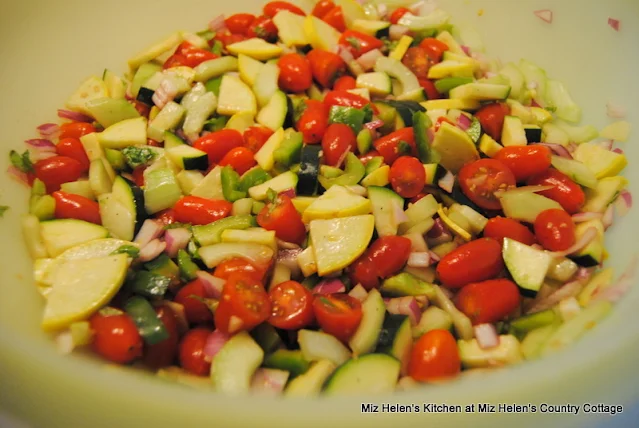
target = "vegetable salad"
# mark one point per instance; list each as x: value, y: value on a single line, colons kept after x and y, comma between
x: 348, y: 199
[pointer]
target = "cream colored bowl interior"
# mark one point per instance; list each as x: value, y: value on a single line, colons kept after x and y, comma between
x: 47, y: 48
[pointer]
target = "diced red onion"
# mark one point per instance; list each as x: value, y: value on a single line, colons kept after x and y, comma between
x: 615, y: 24
x: 466, y: 50
x: 214, y: 343
x: 398, y: 212
x: 583, y: 275
x: 149, y: 231
x: 341, y: 159
x: 608, y: 217
x: 346, y: 55
x: 431, y: 134
x: 288, y: 258
x: 419, y: 259
x: 396, y: 31
x: 40, y: 154
x: 180, y: 314
x: 382, y: 10
x: 18, y: 175
x: 581, y: 217
x: 151, y: 250
x: 74, y: 115
x: 329, y: 286
x: 371, y: 126
x: 621, y: 206
x: 545, y: 15
x: 269, y: 381
x: 217, y: 24
x: 406, y: 305
x: 48, y: 129
x: 447, y: 182
x: 213, y: 285
x: 558, y: 149
x: 486, y: 335
x: 621, y: 287
x: 437, y: 230
x: 618, y: 150
x: 367, y: 61
x: 176, y: 239
x: 570, y: 289
x: 166, y: 92
x: 40, y: 143
x: 583, y: 241
x: 358, y: 292
x: 627, y: 197
x: 433, y: 257
x: 464, y: 122
x: 288, y: 192
x: 615, y: 111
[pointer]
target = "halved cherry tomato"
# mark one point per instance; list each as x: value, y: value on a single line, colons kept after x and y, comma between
x: 335, y: 18
x: 197, y: 211
x: 417, y: 61
x: 227, y: 38
x: 271, y: 8
x: 338, y: 314
x: 73, y: 148
x: 188, y: 55
x: 255, y: 137
x: 291, y: 306
x: 396, y: 144
x: 175, y: 60
x: 282, y: 217
x: 434, y: 48
x: 363, y: 271
x: 343, y: 98
x: 68, y: 205
x: 192, y: 356
x: 313, y: 122
x: 239, y: 23
x: 295, y: 73
x: 240, y: 158
x: 566, y: 192
x: 491, y: 118
x: 344, y: 83
x: 525, y: 161
x: 359, y: 43
x: 434, y: 356
x: 325, y: 66
x: 389, y: 254
x: 166, y: 217
x: 429, y: 87
x: 555, y: 230
x: 397, y: 14
x: 338, y: 140
x: 218, y: 144
x: 480, y: 180
x: 475, y: 261
x: 368, y: 156
x: 190, y: 297
x: 239, y: 265
x: 488, y: 301
x: 407, y: 176
x: 75, y: 130
x: 499, y: 228
x: 138, y: 175
x: 322, y: 7
x: 163, y: 353
x: 56, y: 170
x: 244, y: 304
x: 264, y: 28
x: 115, y: 337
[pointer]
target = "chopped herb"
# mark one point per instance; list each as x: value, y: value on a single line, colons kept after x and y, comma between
x: 137, y: 156
x: 217, y: 47
x: 3, y: 209
x: 132, y: 251
x: 354, y: 42
x: 21, y: 161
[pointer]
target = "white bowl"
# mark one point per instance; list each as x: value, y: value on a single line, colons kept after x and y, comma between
x: 47, y: 48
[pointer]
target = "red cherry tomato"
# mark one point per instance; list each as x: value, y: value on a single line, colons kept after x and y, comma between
x: 359, y: 43
x: 271, y: 8
x: 344, y: 83
x: 429, y: 88
x: 417, y: 61
x: 555, y: 230
x: 166, y: 217
x: 407, y: 176
x: 338, y: 314
x: 189, y: 296
x: 56, y: 170
x: 499, y: 228
x: 239, y: 265
x: 389, y: 254
x: 322, y: 7
x: 244, y: 304
x: 264, y: 28
x: 397, y: 14
x: 488, y: 301
x: 491, y: 118
x: 218, y: 144
x: 295, y: 73
x: 68, y: 205
x: 282, y: 217
x: 335, y: 18
x: 240, y: 158
x: 364, y: 272
x: 115, y: 337
x: 227, y: 38
x: 566, y: 192
x: 138, y: 175
x: 194, y: 55
x: 313, y: 122
x: 255, y: 137
x: 368, y: 156
x: 325, y: 66
x: 396, y: 144
x: 434, y: 48
x: 141, y: 108
x: 343, y: 98
x: 291, y: 306
x: 475, y: 261
x: 239, y: 23
x: 525, y: 161
x: 163, y: 353
x: 191, y: 353
x: 73, y: 148
x: 434, y: 356
x: 198, y: 211
x: 338, y: 140
x: 480, y: 180
x: 175, y: 60
x: 75, y: 130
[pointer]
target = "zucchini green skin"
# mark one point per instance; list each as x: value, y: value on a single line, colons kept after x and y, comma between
x: 309, y: 170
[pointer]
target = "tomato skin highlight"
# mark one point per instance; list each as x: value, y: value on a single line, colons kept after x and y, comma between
x: 282, y: 217
x: 555, y: 230
x: 491, y: 118
x: 198, y: 211
x: 271, y: 8
x: 195, y: 310
x: 434, y: 48
x: 335, y: 18
x: 338, y: 314
x: 73, y: 148
x: 434, y: 356
x: 326, y: 66
x: 75, y: 130
x: 566, y: 192
x: 264, y: 28
x: 255, y: 137
x: 239, y: 265
x: 499, y: 228
x: 295, y: 73
x: 397, y: 14
x: 240, y: 158
x: 345, y: 83
x: 417, y: 61
x: 322, y: 7
x: 488, y: 301
x: 384, y: 258
x: 390, y: 147
x: 291, y: 306
x: 479, y: 180
x: 68, y: 205
x: 191, y: 352
x: 359, y: 43
x: 57, y: 170
x: 162, y: 354
x: 115, y: 337
x: 525, y: 161
x: 244, y: 304
x: 407, y: 176
x: 475, y: 261
x: 338, y: 140
x: 239, y: 23
x: 218, y: 144
x: 346, y: 99
x: 363, y: 271
x: 429, y: 87
x: 313, y: 122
